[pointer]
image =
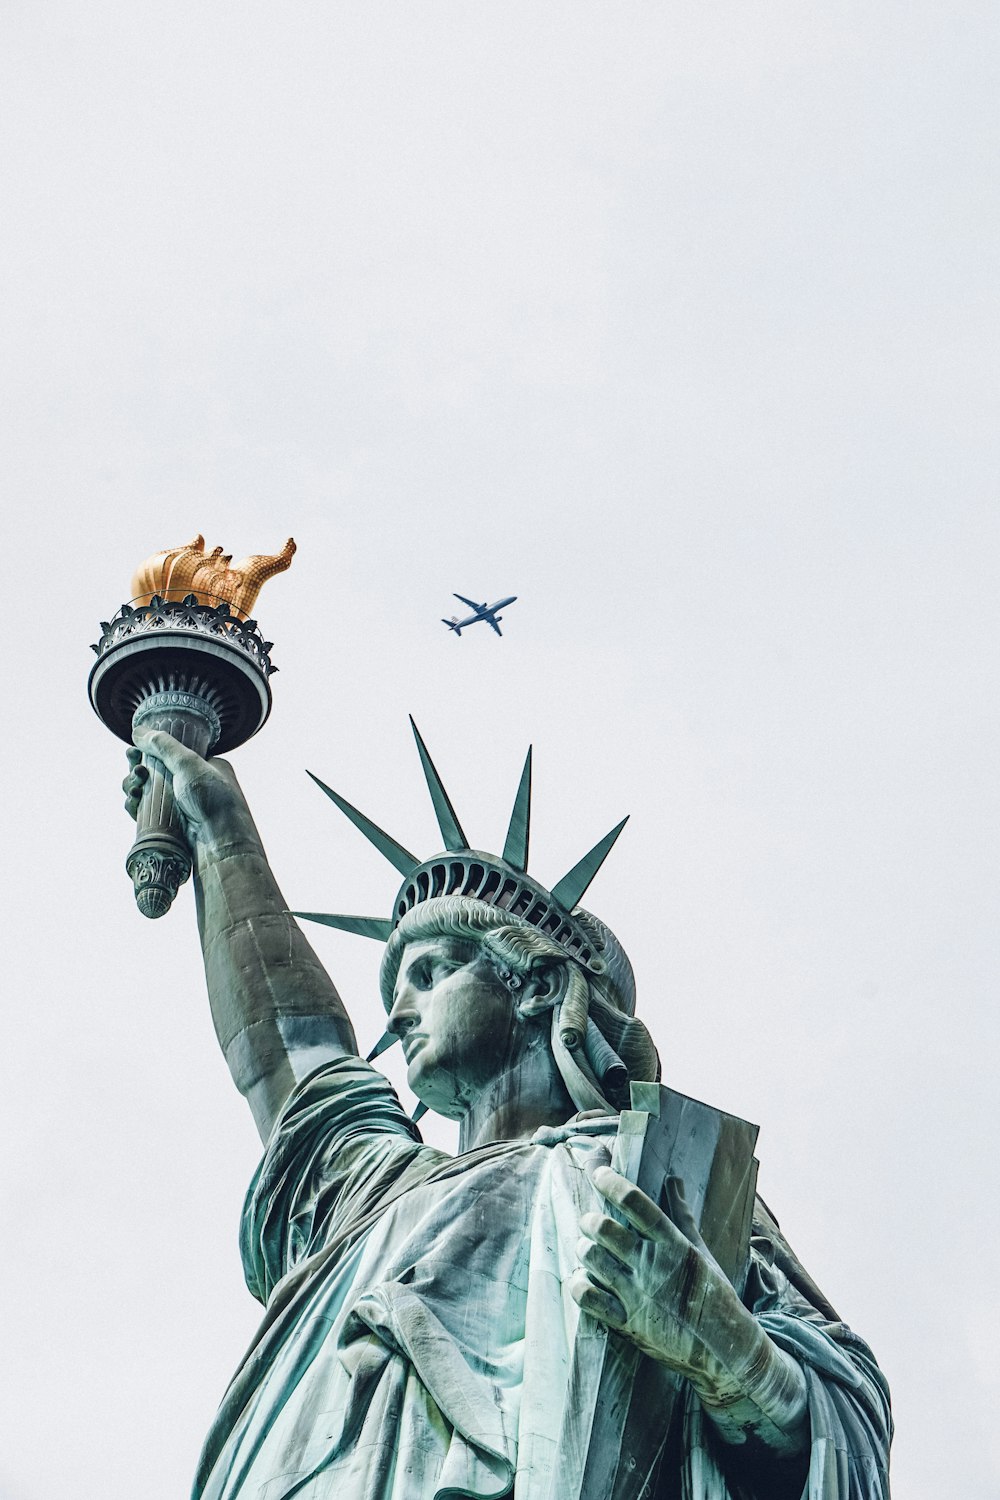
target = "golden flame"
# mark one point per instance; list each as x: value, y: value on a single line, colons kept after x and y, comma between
x: 210, y: 576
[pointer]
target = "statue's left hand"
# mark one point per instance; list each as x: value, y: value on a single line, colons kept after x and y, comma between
x: 654, y: 1280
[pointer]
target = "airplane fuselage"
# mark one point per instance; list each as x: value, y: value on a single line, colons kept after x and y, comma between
x: 488, y: 612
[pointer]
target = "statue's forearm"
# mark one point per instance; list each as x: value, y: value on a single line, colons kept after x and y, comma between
x: 277, y: 1013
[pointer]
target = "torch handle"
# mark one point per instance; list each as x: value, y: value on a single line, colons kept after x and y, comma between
x: 159, y: 861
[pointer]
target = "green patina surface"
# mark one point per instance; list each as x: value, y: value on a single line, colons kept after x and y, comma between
x: 518, y: 1319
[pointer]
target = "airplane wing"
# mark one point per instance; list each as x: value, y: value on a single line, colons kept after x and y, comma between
x: 470, y: 602
x: 493, y: 622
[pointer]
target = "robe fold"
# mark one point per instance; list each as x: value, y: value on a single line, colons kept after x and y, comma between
x: 418, y: 1331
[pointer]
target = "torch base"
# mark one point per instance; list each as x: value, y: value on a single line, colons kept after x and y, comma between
x: 158, y: 865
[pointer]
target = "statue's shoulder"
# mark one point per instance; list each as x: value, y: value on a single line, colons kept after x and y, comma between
x: 343, y: 1096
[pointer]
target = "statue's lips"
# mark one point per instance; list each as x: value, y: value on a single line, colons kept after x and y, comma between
x: 412, y: 1042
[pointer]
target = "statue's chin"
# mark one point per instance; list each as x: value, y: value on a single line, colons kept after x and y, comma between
x: 440, y: 1085
x: 441, y: 1101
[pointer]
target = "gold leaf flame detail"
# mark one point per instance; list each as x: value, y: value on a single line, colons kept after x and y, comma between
x: 211, y: 577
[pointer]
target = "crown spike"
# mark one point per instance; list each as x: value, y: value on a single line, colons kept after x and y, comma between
x: 404, y: 861
x: 371, y: 927
x: 419, y: 1112
x: 386, y: 1040
x: 515, y: 850
x: 451, y: 828
x: 570, y: 889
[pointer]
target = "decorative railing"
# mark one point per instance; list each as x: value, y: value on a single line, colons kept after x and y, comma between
x: 188, y: 615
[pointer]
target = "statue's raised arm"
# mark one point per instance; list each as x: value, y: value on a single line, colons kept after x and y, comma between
x: 277, y: 1013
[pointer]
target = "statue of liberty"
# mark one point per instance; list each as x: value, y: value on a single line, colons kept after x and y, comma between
x: 421, y: 1309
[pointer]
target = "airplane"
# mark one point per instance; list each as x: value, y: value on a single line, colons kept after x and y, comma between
x: 487, y: 612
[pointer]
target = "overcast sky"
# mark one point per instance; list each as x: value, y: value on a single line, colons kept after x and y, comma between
x: 678, y: 321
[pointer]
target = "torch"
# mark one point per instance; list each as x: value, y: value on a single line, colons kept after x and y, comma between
x: 183, y: 656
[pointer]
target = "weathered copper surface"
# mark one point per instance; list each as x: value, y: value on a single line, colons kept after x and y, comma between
x: 520, y: 1319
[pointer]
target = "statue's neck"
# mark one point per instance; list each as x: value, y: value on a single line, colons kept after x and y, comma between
x: 517, y: 1103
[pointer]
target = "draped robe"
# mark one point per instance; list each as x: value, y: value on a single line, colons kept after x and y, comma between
x: 418, y: 1330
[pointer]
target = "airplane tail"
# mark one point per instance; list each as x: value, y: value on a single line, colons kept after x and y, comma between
x: 453, y: 624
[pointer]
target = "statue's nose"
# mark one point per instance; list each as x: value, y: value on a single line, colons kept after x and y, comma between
x: 403, y: 1016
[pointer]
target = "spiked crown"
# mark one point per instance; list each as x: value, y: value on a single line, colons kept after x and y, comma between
x: 498, y: 881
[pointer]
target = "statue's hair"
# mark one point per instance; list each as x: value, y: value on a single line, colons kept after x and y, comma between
x: 599, y: 1046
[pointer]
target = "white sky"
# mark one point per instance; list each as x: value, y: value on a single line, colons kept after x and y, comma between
x: 679, y: 322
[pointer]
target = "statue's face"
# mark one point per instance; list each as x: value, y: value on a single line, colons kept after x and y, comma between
x: 455, y: 1019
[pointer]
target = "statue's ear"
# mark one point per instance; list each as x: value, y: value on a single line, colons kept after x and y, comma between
x: 544, y: 988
